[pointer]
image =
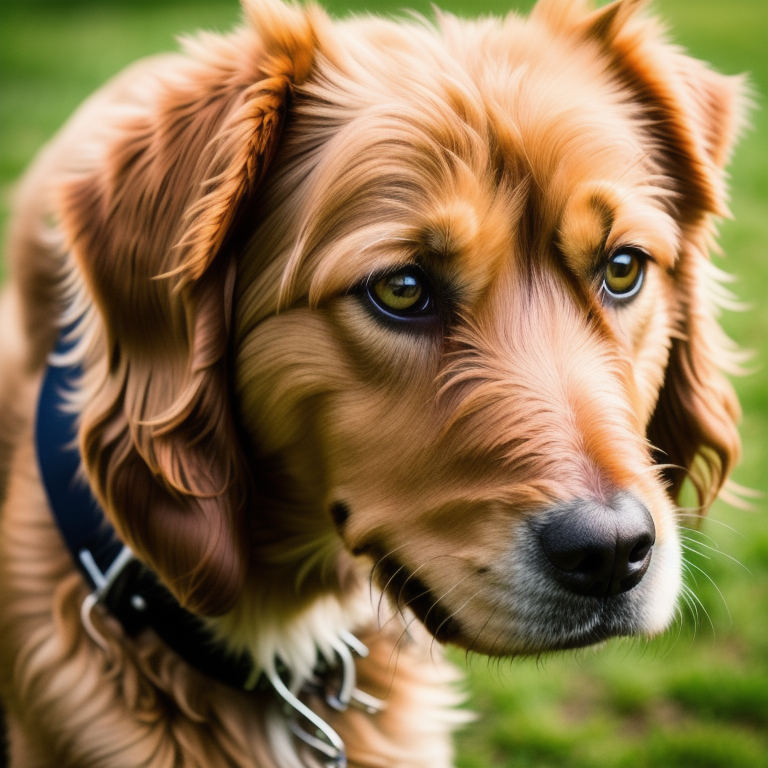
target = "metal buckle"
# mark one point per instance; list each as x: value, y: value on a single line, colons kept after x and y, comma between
x: 103, y: 583
x: 322, y: 738
x: 349, y: 694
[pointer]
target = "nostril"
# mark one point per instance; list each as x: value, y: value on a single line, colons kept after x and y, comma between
x: 640, y: 551
x: 596, y: 549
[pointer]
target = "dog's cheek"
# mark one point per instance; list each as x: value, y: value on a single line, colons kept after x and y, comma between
x: 333, y: 404
x: 285, y: 369
x: 384, y: 355
x: 304, y: 355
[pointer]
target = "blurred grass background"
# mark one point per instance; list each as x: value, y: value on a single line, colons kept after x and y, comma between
x: 697, y: 697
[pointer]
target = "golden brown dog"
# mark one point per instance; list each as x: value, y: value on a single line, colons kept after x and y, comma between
x: 361, y: 308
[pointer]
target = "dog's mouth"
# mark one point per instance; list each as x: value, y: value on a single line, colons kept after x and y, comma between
x: 409, y: 592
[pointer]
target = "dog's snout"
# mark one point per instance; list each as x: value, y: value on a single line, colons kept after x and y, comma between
x: 599, y: 549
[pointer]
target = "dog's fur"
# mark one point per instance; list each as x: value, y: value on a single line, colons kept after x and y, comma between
x: 274, y: 447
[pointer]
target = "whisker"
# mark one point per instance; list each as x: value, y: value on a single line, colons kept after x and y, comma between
x: 714, y: 549
x: 449, y: 617
x: 695, y: 604
x: 382, y: 559
x: 448, y: 592
x: 679, y: 621
x: 690, y: 601
x: 712, y: 581
x: 480, y: 632
x: 712, y: 520
x: 493, y: 648
x: 688, y: 548
x: 692, y: 534
x: 383, y: 591
x: 414, y: 573
x: 396, y: 647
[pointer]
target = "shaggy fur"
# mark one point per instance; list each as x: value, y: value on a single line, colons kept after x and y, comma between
x: 275, y: 446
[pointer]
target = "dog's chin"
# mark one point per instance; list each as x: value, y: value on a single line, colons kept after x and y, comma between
x: 572, y: 622
x: 546, y: 625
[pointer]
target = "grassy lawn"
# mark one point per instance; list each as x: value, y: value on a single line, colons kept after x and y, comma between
x: 697, y: 697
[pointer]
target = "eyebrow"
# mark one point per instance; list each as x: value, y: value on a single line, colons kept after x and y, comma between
x: 583, y: 231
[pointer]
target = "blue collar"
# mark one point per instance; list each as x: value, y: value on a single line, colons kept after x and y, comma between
x: 91, y: 540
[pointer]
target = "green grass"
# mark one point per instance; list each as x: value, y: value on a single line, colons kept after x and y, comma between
x: 695, y: 698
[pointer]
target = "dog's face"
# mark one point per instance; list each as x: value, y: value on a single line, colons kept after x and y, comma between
x: 441, y: 315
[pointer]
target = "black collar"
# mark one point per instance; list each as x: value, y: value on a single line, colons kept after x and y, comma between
x: 133, y: 593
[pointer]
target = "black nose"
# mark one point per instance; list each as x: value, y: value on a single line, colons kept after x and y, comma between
x: 598, y: 549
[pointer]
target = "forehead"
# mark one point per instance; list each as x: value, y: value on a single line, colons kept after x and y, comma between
x: 470, y: 149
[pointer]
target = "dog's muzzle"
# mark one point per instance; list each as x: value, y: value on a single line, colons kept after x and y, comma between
x: 584, y: 570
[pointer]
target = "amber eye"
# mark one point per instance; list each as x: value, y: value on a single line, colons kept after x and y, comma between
x: 401, y: 295
x: 624, y: 273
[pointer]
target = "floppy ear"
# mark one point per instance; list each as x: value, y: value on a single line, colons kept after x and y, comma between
x: 693, y: 115
x: 149, y: 227
x: 694, y: 426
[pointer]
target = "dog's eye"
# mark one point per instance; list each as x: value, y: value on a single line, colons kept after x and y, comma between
x: 401, y: 295
x: 624, y: 273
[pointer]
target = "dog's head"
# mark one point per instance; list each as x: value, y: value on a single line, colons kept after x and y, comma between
x: 437, y: 301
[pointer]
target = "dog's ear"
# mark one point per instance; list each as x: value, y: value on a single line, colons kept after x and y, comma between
x: 694, y: 427
x: 150, y: 225
x: 694, y: 116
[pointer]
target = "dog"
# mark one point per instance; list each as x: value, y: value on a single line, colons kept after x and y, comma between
x: 359, y: 338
